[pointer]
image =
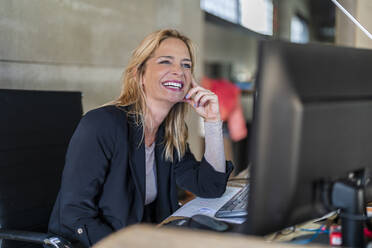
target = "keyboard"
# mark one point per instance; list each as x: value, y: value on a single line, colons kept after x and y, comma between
x: 236, y: 206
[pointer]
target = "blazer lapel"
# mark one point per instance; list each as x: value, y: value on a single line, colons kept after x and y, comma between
x: 163, y: 168
x: 138, y: 167
x: 137, y: 157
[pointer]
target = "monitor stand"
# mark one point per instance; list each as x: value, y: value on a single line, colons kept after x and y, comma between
x: 349, y: 197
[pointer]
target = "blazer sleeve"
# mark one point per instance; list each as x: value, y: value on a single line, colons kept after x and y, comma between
x: 201, y: 178
x: 87, y: 161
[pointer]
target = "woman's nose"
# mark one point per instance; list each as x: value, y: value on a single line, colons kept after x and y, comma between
x: 177, y: 69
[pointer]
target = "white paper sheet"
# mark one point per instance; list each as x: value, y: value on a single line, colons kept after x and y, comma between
x: 209, y: 206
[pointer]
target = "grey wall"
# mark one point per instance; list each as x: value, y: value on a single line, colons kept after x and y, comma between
x: 81, y: 45
x: 84, y: 45
x: 230, y: 46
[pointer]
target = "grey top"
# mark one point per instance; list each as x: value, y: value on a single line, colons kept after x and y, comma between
x: 151, y: 188
x: 214, y: 154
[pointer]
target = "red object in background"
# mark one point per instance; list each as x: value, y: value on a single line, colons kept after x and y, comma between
x: 367, y: 233
x: 230, y: 108
x: 335, y: 236
x: 228, y: 94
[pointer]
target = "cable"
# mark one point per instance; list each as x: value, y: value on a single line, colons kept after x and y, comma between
x: 314, y: 230
x: 352, y: 18
x: 307, y: 241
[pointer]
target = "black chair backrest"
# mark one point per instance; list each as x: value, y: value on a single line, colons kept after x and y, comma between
x: 35, y: 128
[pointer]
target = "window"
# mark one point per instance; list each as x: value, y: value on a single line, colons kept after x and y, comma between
x: 256, y: 15
x: 299, y: 30
x: 225, y: 9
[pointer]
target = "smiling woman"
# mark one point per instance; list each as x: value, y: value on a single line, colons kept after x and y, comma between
x: 167, y: 75
x: 126, y: 158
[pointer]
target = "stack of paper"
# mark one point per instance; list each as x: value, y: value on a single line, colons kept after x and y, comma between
x: 209, y: 206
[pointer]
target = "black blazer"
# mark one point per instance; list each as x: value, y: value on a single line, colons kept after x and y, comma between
x: 103, y: 182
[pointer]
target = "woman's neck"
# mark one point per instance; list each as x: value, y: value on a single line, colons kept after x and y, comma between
x: 154, y: 117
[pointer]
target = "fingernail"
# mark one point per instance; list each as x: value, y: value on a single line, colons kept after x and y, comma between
x: 187, y: 96
x: 195, y: 105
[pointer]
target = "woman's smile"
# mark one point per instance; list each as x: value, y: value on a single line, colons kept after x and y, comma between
x: 174, y: 85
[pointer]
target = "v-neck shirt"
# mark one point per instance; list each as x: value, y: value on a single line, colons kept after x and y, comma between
x: 214, y: 154
x: 151, y: 185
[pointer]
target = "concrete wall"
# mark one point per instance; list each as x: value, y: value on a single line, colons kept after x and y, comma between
x: 230, y: 46
x: 84, y: 45
x: 81, y: 45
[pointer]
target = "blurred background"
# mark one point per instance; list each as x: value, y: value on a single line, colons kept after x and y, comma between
x: 84, y: 45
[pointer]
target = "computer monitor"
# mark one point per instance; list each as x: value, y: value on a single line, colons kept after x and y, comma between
x: 312, y: 126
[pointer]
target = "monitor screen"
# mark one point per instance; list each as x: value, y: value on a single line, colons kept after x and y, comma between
x: 312, y: 124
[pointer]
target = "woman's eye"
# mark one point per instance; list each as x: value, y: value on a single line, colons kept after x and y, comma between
x: 164, y: 62
x: 188, y: 66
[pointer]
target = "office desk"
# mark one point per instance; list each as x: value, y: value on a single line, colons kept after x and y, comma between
x: 146, y: 236
x: 301, y: 231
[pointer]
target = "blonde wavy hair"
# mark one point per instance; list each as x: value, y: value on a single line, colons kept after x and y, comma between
x: 133, y: 94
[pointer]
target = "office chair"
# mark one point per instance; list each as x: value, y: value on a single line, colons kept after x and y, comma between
x: 35, y: 128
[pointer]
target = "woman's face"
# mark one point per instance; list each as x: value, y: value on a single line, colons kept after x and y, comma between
x: 167, y: 76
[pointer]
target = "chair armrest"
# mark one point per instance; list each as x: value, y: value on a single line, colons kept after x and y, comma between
x: 40, y: 238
